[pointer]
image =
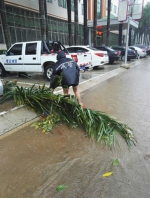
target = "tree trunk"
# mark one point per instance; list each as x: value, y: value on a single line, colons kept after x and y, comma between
x: 43, y: 21
x: 76, y: 22
x: 69, y: 20
x: 130, y: 34
x: 120, y: 35
x: 95, y: 23
x: 5, y: 24
x: 135, y: 37
x: 108, y: 22
x: 148, y: 36
x: 85, y: 24
x: 46, y: 20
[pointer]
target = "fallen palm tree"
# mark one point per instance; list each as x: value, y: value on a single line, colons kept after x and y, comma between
x: 58, y: 108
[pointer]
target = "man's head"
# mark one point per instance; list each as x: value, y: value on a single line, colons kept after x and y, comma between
x: 61, y: 55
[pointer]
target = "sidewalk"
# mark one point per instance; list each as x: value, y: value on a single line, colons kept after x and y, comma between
x: 34, y: 167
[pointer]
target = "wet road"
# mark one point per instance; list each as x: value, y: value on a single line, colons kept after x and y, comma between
x: 33, y: 164
x: 38, y: 78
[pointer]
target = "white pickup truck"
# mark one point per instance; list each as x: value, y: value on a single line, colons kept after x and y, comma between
x: 36, y: 56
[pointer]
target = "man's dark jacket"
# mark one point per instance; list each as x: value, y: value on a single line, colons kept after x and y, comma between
x: 68, y: 69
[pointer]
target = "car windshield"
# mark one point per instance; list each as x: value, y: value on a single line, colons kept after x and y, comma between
x: 92, y: 48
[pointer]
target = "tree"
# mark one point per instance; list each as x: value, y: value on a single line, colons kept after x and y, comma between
x: 69, y: 20
x: 85, y: 23
x: 95, y: 22
x: 144, y: 24
x: 5, y: 24
x: 46, y: 20
x: 108, y: 22
x: 76, y: 22
x: 42, y: 18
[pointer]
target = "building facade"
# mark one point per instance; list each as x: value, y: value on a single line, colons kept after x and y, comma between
x: 24, y: 21
x: 102, y: 14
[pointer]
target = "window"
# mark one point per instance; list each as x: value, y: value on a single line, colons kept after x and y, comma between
x: 93, y: 48
x: 111, y: 8
x: 50, y: 1
x: 15, y: 50
x: 115, y: 9
x: 62, y: 3
x: 80, y: 49
x: 106, y: 3
x: 72, y: 5
x: 98, y: 9
x: 82, y: 9
x: 71, y: 49
x: 30, y: 48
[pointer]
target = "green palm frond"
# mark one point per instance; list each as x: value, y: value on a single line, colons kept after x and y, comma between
x: 97, y: 125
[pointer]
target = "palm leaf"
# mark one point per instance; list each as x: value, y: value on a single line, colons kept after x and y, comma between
x: 97, y: 125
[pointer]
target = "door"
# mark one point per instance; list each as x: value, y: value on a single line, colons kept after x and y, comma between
x: 14, y: 58
x: 31, y: 59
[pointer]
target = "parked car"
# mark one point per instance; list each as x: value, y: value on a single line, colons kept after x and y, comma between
x: 140, y: 52
x: 1, y: 88
x: 145, y: 47
x: 113, y: 55
x: 131, y: 53
x: 98, y: 57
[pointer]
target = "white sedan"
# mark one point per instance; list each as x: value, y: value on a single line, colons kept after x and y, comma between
x: 97, y: 57
x: 141, y: 52
x: 1, y: 88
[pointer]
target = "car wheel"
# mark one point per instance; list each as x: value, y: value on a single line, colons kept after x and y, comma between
x: 48, y: 71
x: 2, y: 70
x: 138, y: 56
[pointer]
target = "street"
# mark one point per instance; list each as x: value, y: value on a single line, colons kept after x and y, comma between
x: 40, y: 79
x: 33, y: 163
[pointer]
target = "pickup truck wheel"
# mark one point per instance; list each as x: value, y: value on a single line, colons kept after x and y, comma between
x: 2, y: 70
x: 48, y: 71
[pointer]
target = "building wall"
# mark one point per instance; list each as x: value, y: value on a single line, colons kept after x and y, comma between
x: 103, y: 8
x: 27, y: 4
x: 114, y: 7
x: 52, y: 8
x: 90, y: 9
x: 24, y: 22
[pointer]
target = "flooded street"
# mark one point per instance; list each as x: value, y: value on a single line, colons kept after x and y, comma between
x: 33, y: 164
